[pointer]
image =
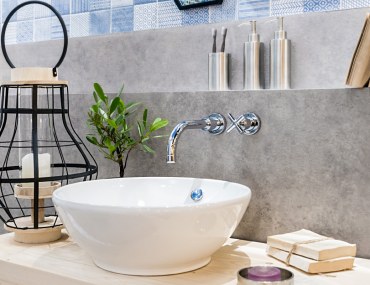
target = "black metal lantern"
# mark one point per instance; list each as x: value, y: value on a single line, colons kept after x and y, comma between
x: 39, y: 147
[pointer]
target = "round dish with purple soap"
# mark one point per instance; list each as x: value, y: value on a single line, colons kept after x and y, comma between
x: 265, y: 275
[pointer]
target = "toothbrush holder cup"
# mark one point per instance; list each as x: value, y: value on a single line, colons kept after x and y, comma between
x: 218, y: 71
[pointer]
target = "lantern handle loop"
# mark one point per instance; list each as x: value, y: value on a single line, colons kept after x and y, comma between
x: 6, y: 22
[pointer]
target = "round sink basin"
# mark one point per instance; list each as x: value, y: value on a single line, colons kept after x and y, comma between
x: 151, y: 225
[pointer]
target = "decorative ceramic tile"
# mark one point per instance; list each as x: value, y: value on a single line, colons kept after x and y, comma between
x: 286, y: 7
x: 145, y: 16
x: 349, y: 4
x: 123, y: 19
x: 92, y: 17
x: 253, y: 9
x: 42, y: 29
x: 24, y: 31
x: 62, y: 6
x: 320, y: 5
x: 79, y: 6
x: 56, y: 27
x: 7, y: 6
x: 120, y: 3
x: 99, y: 5
x: 138, y: 2
x: 100, y: 22
x: 26, y: 12
x: 80, y: 25
x: 11, y: 33
x: 195, y: 16
x: 222, y: 13
x: 168, y: 15
x: 41, y: 11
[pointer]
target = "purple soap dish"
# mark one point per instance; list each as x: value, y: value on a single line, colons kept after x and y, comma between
x: 265, y: 275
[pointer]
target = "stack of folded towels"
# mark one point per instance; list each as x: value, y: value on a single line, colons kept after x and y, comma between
x: 311, y: 252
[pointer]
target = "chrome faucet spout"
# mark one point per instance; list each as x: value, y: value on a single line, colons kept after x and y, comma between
x: 214, y: 124
x: 175, y: 135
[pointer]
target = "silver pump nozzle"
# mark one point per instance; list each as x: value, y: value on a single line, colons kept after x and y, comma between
x: 280, y: 34
x: 253, y: 27
x: 253, y: 36
x: 281, y: 23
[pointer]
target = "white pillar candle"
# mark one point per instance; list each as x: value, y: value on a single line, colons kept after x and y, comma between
x: 44, y: 168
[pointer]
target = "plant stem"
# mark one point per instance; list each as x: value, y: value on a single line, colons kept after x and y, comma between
x: 120, y: 163
x: 122, y: 167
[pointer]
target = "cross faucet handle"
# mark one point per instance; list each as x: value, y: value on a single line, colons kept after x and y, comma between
x: 247, y: 124
x: 234, y: 123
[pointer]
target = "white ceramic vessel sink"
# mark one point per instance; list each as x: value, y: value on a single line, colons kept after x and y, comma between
x: 151, y: 226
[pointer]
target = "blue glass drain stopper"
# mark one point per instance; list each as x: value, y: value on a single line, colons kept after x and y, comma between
x: 197, y: 194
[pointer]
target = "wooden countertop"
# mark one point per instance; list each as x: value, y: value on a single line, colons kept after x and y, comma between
x: 65, y: 263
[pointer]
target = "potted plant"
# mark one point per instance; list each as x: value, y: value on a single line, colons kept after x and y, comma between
x: 113, y: 132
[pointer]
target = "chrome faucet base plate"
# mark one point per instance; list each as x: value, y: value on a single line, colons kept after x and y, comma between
x: 220, y: 121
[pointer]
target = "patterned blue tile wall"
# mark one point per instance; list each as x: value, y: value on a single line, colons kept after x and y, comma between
x: 97, y: 17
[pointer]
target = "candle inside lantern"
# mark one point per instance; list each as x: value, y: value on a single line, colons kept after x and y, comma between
x: 264, y: 273
x: 44, y: 168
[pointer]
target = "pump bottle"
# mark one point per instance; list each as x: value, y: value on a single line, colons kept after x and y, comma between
x: 253, y: 60
x: 280, y: 59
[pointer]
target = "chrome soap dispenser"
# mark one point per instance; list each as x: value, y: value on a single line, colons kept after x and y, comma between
x: 253, y: 60
x: 280, y: 59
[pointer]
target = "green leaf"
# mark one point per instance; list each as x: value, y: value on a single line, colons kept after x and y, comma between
x: 156, y: 120
x: 140, y: 129
x: 158, y: 125
x: 132, y: 105
x: 131, y: 143
x: 124, y: 125
x: 125, y: 128
x: 159, y: 136
x: 113, y: 106
x: 92, y: 139
x: 147, y: 148
x: 102, y: 113
x: 112, y: 123
x: 99, y: 130
x: 96, y: 98
x: 108, y: 143
x: 120, y: 92
x: 119, y: 119
x: 100, y: 92
x: 121, y: 107
x: 95, y: 109
x: 145, y: 117
x: 112, y: 149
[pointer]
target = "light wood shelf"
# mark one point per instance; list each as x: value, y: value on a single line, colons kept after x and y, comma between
x: 64, y: 262
x: 35, y: 82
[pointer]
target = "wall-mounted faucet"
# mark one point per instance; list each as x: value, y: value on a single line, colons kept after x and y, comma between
x: 215, y: 124
x: 247, y: 124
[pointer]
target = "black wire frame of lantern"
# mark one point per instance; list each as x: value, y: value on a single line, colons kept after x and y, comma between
x: 13, y: 209
x: 9, y: 174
